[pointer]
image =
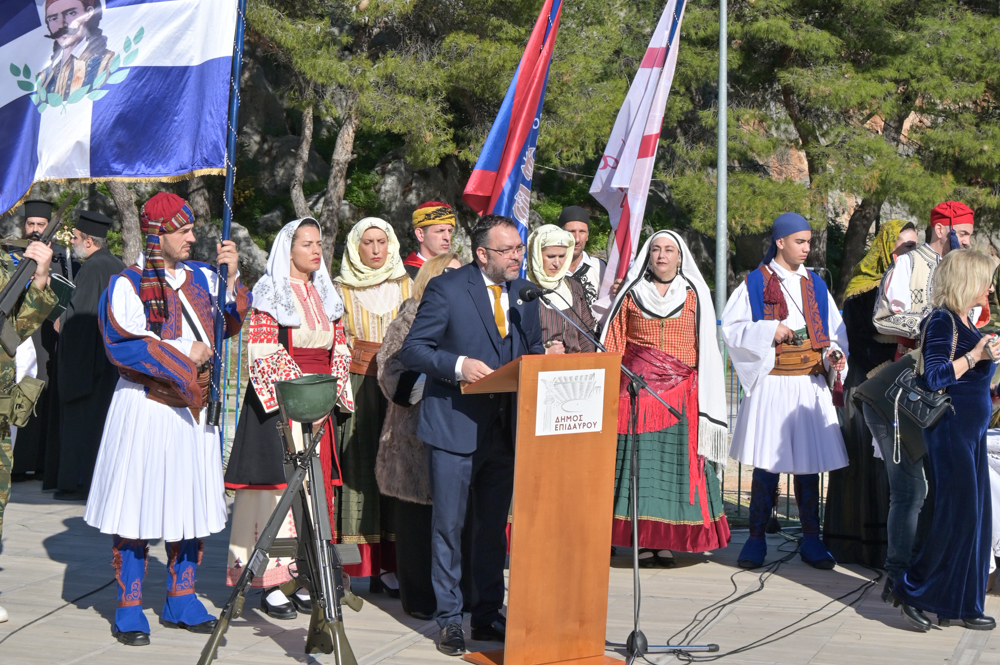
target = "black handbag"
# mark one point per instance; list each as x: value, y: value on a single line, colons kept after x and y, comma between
x: 911, y: 396
x: 873, y: 393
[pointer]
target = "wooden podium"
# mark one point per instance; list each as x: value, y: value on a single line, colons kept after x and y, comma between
x: 564, y: 472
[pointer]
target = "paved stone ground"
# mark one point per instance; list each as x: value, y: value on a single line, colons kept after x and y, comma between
x: 51, y: 561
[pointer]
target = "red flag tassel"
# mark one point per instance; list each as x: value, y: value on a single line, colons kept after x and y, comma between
x: 838, y: 392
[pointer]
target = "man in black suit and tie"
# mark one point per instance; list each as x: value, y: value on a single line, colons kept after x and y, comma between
x: 471, y: 322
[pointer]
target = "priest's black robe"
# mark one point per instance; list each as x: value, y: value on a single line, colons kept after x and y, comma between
x: 85, y: 376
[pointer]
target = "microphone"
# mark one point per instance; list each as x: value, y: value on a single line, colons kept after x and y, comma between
x: 529, y: 293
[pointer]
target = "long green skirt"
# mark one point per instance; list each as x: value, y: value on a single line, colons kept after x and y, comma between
x: 364, y: 515
x: 668, y: 520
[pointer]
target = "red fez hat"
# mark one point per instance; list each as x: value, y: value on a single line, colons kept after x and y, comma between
x: 951, y: 213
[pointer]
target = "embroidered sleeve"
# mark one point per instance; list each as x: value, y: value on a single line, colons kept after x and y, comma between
x: 134, y: 349
x: 341, y: 367
x: 236, y: 309
x: 279, y: 366
x: 889, y: 322
x: 262, y: 336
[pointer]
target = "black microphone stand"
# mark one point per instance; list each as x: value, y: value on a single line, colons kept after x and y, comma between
x: 636, y: 645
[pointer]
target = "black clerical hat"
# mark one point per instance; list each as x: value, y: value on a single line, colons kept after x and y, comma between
x: 37, y: 208
x: 93, y: 224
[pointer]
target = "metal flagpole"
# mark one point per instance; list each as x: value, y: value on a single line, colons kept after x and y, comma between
x: 721, y: 213
x: 215, y: 406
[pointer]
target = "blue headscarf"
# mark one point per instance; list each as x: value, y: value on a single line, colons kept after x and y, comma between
x: 784, y: 225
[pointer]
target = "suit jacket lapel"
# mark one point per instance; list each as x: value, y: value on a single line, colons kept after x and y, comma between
x: 482, y: 298
x: 514, y: 304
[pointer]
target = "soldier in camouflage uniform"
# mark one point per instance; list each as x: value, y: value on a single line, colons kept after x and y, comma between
x: 36, y: 305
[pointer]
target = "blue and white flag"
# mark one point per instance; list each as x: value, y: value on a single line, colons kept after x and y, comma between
x: 112, y: 89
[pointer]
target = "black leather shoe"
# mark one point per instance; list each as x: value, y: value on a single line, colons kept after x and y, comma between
x: 132, y: 638
x: 423, y: 616
x: 451, y: 641
x: 283, y: 611
x: 916, y: 617
x: 887, y: 590
x: 304, y: 605
x: 648, y: 561
x: 980, y: 623
x: 491, y: 632
x: 389, y: 591
x: 204, y: 628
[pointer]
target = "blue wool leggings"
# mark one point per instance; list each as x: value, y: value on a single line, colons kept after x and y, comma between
x: 764, y: 495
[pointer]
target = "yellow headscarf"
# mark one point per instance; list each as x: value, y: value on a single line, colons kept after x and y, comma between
x: 868, y: 273
x: 549, y: 235
x: 354, y: 273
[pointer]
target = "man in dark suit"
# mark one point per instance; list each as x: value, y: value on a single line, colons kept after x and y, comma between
x: 471, y: 322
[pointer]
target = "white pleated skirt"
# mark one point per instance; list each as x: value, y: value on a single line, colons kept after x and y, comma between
x: 158, y: 473
x: 789, y: 425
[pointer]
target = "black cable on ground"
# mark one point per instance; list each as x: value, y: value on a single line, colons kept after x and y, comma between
x: 704, y: 617
x: 48, y: 614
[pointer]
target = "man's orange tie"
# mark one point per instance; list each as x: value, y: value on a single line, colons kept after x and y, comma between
x: 498, y: 309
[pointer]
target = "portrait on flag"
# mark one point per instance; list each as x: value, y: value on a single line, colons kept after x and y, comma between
x: 112, y: 89
x: 80, y: 50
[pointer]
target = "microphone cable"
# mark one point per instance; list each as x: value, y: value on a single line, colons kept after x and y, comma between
x: 704, y: 617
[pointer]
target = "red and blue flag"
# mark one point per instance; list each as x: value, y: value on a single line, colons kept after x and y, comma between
x: 500, y: 184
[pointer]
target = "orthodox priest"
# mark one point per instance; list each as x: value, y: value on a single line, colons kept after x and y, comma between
x: 86, y: 376
x: 159, y: 469
x: 433, y: 224
x: 782, y: 328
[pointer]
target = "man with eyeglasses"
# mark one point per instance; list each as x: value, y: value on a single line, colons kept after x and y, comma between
x: 468, y: 325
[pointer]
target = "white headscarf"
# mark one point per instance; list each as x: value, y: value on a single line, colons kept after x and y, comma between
x: 273, y: 292
x: 549, y: 235
x: 353, y: 271
x: 713, y: 429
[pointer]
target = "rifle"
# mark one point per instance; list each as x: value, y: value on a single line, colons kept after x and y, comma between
x: 13, y: 291
x: 320, y: 568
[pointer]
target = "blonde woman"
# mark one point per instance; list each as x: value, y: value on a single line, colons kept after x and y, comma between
x: 948, y: 575
x: 401, y: 468
x: 372, y: 284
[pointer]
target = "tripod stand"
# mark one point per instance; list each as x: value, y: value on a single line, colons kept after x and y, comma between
x: 636, y: 645
x: 320, y: 569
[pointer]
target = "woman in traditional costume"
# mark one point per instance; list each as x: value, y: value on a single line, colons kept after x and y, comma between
x: 373, y: 284
x: 663, y: 324
x: 857, y: 500
x: 550, y: 250
x: 401, y: 467
x: 295, y: 329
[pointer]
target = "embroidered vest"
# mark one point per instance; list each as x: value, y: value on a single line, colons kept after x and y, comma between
x: 906, y: 325
x: 795, y: 359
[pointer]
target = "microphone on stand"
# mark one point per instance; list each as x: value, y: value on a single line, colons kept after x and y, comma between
x: 529, y: 293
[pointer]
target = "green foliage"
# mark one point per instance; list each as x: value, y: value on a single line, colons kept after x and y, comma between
x: 835, y: 81
x: 556, y: 192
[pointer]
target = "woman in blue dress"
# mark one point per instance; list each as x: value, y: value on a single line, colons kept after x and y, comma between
x: 948, y: 577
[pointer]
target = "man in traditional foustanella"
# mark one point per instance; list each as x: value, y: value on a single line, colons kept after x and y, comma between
x: 159, y: 469
x: 784, y: 335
